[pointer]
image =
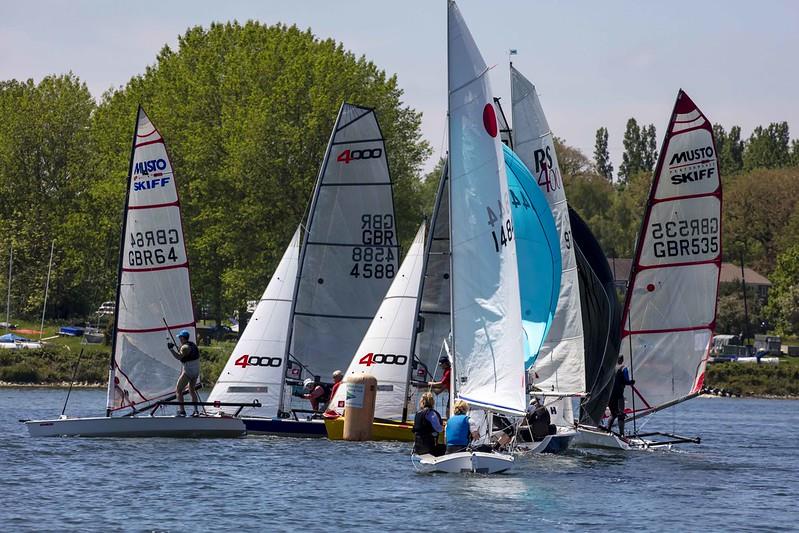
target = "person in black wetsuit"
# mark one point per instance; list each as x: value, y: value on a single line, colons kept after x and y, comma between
x: 426, y: 427
x: 616, y: 401
x: 189, y: 356
x: 539, y: 421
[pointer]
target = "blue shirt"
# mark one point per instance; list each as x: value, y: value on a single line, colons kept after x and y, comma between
x: 458, y: 430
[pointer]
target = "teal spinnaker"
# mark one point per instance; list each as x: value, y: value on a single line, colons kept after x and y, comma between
x: 537, y: 251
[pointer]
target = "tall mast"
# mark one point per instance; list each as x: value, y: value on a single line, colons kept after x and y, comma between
x: 122, y: 256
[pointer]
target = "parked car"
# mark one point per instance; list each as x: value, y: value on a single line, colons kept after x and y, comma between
x: 106, y: 308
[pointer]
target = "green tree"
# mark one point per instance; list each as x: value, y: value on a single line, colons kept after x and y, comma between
x: 729, y: 149
x: 44, y: 170
x: 783, y: 305
x: 649, y: 148
x: 632, y: 158
x: 602, y: 155
x: 768, y: 148
x: 246, y: 112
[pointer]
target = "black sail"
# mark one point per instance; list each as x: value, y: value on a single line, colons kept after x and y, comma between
x: 601, y: 319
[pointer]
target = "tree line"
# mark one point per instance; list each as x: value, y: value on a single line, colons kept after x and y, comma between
x: 246, y: 111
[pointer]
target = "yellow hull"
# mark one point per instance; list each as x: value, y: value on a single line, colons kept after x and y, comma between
x: 380, y: 430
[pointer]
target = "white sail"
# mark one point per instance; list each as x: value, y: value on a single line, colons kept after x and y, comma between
x: 560, y: 365
x: 349, y: 256
x: 255, y: 369
x: 385, y: 351
x: 670, y: 310
x: 153, y: 294
x: 487, y: 329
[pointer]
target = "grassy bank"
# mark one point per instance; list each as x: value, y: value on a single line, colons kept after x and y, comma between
x: 749, y: 379
x: 55, y: 363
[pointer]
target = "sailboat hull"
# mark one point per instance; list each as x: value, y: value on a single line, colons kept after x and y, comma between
x: 557, y: 443
x: 588, y: 437
x: 392, y: 431
x: 464, y: 463
x: 285, y: 427
x: 144, y: 426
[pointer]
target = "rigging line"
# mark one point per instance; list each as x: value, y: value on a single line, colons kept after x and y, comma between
x: 632, y: 371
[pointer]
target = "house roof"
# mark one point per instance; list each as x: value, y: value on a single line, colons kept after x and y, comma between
x: 730, y: 272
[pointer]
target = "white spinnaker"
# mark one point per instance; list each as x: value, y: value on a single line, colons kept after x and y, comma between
x: 153, y: 287
x: 255, y: 369
x: 560, y: 366
x: 349, y: 256
x: 385, y: 350
x: 487, y: 329
x: 670, y: 310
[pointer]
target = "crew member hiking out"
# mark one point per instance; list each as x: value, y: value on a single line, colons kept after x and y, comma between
x: 426, y: 427
x: 616, y: 401
x: 189, y: 356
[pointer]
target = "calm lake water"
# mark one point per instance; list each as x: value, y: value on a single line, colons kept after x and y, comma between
x: 744, y: 476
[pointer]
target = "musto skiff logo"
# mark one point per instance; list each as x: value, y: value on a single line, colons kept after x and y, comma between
x: 692, y: 165
x: 149, y: 175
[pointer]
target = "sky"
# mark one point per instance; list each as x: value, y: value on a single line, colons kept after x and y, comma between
x: 593, y: 63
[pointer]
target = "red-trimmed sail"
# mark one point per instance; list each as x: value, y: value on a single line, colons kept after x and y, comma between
x: 670, y: 309
x: 153, y: 292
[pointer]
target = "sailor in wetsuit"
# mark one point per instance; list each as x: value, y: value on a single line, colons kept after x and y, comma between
x: 426, y: 427
x: 616, y: 401
x: 189, y: 355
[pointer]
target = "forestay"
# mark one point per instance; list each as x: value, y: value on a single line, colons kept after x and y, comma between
x: 255, y: 369
x: 349, y: 256
x: 670, y: 310
x: 559, y: 367
x: 153, y: 291
x: 486, y: 313
x: 385, y: 350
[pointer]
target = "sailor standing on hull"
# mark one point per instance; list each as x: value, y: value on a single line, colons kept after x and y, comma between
x: 616, y: 401
x: 189, y: 355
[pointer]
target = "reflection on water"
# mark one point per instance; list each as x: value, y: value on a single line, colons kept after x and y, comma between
x: 734, y: 479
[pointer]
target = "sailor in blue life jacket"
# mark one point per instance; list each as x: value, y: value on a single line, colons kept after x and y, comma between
x: 189, y: 356
x: 426, y: 427
x: 616, y: 400
x: 461, y: 429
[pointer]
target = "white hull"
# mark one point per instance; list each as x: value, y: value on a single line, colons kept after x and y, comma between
x: 142, y: 426
x: 464, y: 462
x: 21, y: 345
x: 599, y: 438
x: 557, y: 443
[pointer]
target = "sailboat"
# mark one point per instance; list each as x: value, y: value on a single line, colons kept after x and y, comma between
x: 153, y: 302
x: 486, y: 310
x: 327, y: 288
x: 384, y: 353
x: 670, y: 307
x: 557, y: 374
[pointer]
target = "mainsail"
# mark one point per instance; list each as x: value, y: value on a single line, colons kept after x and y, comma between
x: 670, y: 309
x: 486, y: 313
x: 601, y: 319
x: 255, y: 369
x: 153, y: 291
x: 349, y: 254
x: 386, y: 347
x: 559, y: 367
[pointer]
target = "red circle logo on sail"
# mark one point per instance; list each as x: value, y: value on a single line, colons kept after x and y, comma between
x: 650, y: 287
x: 490, y: 120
